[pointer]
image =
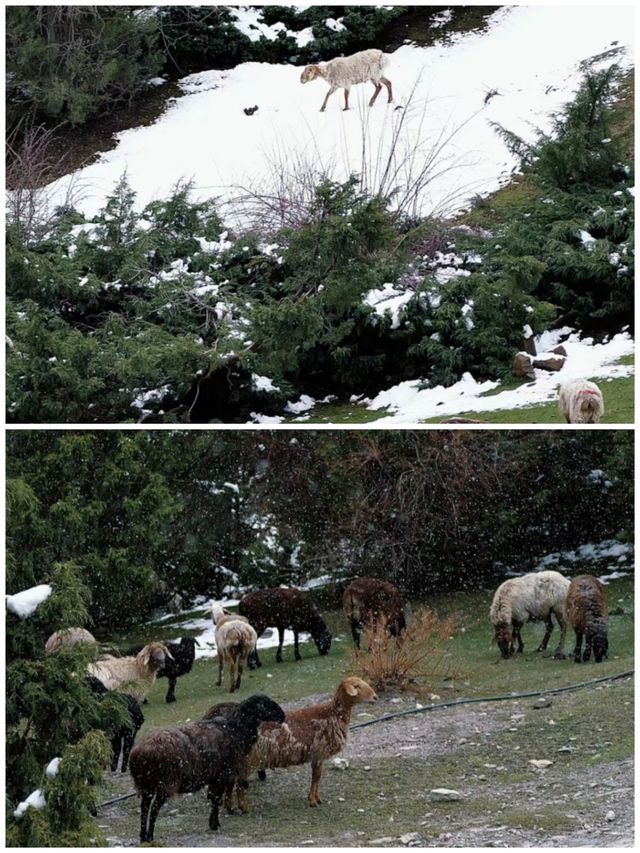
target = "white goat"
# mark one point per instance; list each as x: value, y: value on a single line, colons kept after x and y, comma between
x: 132, y: 675
x: 531, y: 597
x: 69, y: 637
x: 581, y: 402
x: 235, y: 640
x: 346, y: 71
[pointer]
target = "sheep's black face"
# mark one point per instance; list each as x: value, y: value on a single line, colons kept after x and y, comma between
x: 323, y: 642
x: 262, y: 709
x: 600, y: 648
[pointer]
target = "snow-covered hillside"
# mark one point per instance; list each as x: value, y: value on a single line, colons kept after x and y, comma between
x: 529, y: 56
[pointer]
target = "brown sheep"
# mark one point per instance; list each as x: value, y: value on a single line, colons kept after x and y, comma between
x: 284, y: 608
x: 309, y: 735
x: 366, y: 600
x: 183, y: 759
x: 587, y: 612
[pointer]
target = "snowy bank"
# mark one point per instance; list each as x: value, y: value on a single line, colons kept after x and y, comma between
x: 530, y: 55
x: 25, y: 603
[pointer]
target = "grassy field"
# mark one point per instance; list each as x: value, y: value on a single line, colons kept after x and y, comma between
x: 481, y: 750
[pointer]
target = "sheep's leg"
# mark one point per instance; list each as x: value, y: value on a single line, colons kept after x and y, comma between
x: 387, y: 83
x: 378, y: 89
x: 280, y: 642
x: 545, y: 640
x: 153, y: 814
x: 115, y: 753
x: 518, y: 636
x: 232, y: 674
x: 588, y: 643
x: 559, y: 652
x: 578, y: 647
x: 127, y: 744
x: 262, y: 775
x: 296, y: 649
x: 324, y: 103
x: 171, y: 692
x: 243, y: 805
x: 240, y: 671
x: 355, y: 633
x: 144, y: 814
x: 314, y: 793
x: 220, y: 665
x: 346, y: 100
x: 253, y: 660
x: 228, y: 798
x: 214, y: 817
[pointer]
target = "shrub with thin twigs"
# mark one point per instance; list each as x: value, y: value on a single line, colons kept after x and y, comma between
x: 416, y: 661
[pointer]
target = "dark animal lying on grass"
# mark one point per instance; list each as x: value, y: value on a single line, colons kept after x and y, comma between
x: 587, y: 612
x: 284, y: 608
x: 367, y: 600
x: 184, y: 654
x: 185, y: 758
x: 123, y: 738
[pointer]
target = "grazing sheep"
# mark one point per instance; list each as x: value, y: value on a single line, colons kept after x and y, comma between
x: 134, y: 675
x: 366, y: 600
x: 587, y: 612
x: 531, y: 597
x: 284, y: 608
x: 311, y: 734
x: 581, y: 402
x: 68, y: 637
x: 122, y: 739
x: 183, y: 759
x: 345, y: 71
x: 183, y: 654
x: 235, y: 641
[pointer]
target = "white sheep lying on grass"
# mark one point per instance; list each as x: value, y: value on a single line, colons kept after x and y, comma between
x: 235, y: 641
x: 581, y: 402
x: 132, y: 675
x: 346, y: 71
x: 531, y: 597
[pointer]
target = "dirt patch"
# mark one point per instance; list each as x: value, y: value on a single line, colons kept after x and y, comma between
x: 584, y: 798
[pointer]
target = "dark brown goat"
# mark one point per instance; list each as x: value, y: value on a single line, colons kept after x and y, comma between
x: 587, y: 612
x: 366, y: 600
x: 183, y: 759
x: 284, y: 608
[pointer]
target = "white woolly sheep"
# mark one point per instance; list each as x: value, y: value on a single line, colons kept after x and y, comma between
x: 133, y: 675
x: 346, y: 71
x: 581, y: 402
x: 531, y: 597
x: 69, y: 637
x: 235, y: 641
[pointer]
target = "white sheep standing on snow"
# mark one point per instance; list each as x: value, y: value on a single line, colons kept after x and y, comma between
x: 531, y: 597
x: 346, y: 71
x: 235, y: 641
x: 581, y: 402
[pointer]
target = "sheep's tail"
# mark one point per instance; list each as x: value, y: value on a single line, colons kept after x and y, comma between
x: 385, y: 59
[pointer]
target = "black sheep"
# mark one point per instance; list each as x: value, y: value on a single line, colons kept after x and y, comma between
x: 122, y: 739
x: 183, y: 759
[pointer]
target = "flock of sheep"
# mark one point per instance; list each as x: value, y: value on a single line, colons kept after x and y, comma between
x: 233, y: 739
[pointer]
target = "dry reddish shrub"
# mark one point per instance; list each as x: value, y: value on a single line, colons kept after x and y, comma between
x: 418, y: 661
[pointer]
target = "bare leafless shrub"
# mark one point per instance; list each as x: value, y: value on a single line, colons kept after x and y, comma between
x: 31, y: 166
x: 418, y: 660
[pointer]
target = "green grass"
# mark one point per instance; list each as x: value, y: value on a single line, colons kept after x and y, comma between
x: 340, y: 413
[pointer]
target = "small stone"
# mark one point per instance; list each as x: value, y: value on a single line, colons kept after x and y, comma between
x: 482, y: 778
x: 445, y: 795
x: 340, y: 764
x: 560, y: 350
x: 396, y: 700
x: 553, y: 363
x: 541, y: 763
x: 411, y: 839
x: 610, y: 815
x: 378, y: 842
x: 366, y: 767
x: 542, y: 702
x: 522, y: 366
x: 565, y: 749
x: 341, y: 799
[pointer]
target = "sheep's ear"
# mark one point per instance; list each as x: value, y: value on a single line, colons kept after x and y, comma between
x: 145, y: 656
x: 351, y: 689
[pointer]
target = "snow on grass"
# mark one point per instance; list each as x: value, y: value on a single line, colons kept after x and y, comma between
x: 530, y: 54
x: 263, y: 383
x: 620, y: 553
x: 408, y: 402
x: 25, y: 603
